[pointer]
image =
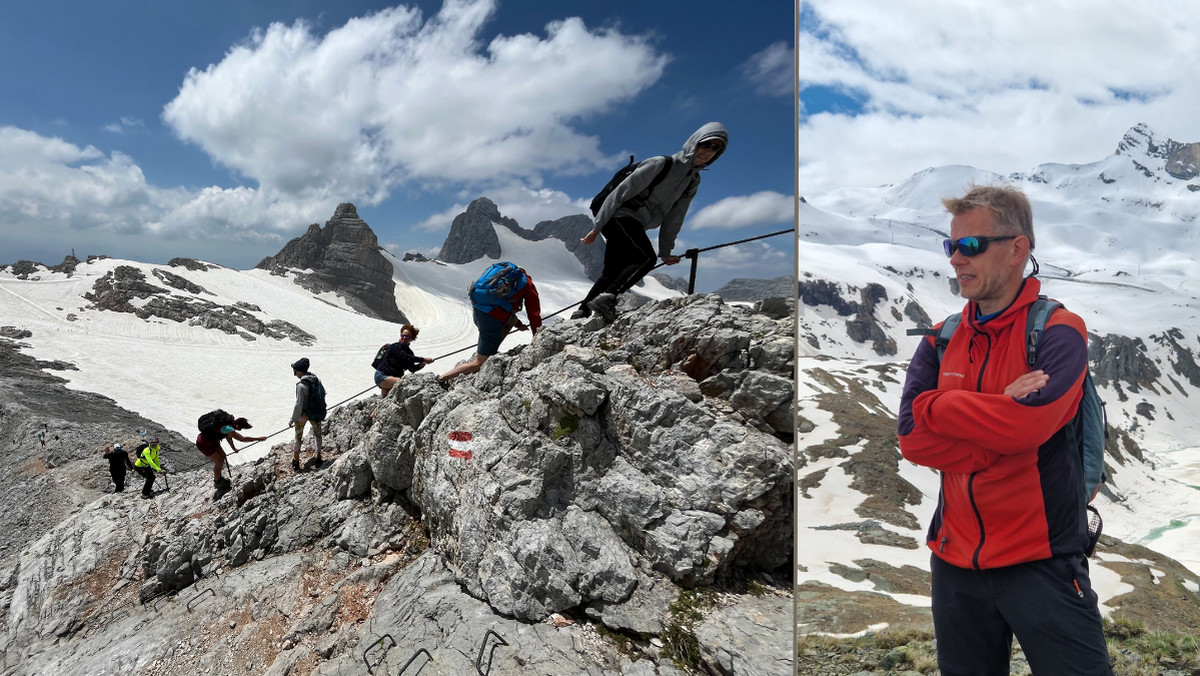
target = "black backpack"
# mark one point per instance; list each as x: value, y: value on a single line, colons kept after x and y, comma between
x: 210, y: 423
x: 378, y: 360
x: 619, y: 177
x: 314, y: 408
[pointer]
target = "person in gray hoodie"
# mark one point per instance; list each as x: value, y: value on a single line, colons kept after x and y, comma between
x: 646, y: 200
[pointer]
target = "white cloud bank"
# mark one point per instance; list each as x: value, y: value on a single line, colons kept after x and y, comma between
x: 738, y: 212
x: 391, y: 98
x: 313, y: 120
x: 999, y: 86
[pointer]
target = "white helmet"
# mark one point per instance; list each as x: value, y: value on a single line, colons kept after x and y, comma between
x: 117, y: 447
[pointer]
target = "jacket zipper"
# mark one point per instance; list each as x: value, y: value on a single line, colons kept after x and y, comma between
x: 987, y: 353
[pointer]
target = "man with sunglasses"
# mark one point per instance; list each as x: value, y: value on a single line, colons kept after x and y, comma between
x: 1009, y: 534
x: 656, y: 195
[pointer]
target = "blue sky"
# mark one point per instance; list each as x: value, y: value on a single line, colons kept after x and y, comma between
x: 888, y: 89
x: 220, y: 130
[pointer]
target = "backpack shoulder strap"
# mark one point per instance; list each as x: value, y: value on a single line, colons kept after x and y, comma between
x: 1035, y: 325
x: 942, y: 335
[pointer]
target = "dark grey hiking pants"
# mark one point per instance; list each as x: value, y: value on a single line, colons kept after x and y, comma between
x: 1049, y: 605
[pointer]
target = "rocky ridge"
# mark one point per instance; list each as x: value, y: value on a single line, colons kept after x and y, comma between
x: 342, y: 257
x: 616, y: 501
x: 748, y: 289
x: 126, y: 289
x: 472, y: 236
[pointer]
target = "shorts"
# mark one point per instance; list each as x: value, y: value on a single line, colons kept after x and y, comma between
x: 380, y: 376
x: 491, y: 333
x: 300, y: 427
x: 207, y: 446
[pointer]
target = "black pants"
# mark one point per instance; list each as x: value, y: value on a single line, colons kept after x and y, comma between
x: 1049, y: 605
x: 119, y: 480
x: 148, y: 475
x: 628, y: 256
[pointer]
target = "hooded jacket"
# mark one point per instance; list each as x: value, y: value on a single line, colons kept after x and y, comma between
x: 1009, y: 467
x: 668, y: 203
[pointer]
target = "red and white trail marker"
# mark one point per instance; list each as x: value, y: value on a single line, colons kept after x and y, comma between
x: 460, y: 445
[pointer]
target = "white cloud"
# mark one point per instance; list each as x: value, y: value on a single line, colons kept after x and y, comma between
x: 54, y: 191
x: 999, y: 86
x: 126, y: 122
x: 773, y: 70
x: 744, y: 210
x: 391, y: 98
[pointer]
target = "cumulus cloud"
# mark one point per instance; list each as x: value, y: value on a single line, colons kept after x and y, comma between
x: 744, y: 210
x: 772, y: 70
x: 393, y: 98
x: 999, y: 86
x: 55, y: 191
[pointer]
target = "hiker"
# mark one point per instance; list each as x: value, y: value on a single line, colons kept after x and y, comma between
x: 397, y: 358
x: 496, y: 297
x: 1009, y: 536
x: 310, y: 407
x: 41, y: 435
x: 216, y: 426
x: 656, y: 195
x: 147, y: 464
x: 118, y: 465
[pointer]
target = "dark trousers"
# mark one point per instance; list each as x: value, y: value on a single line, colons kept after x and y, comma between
x: 119, y: 480
x: 148, y: 475
x: 628, y: 256
x: 1049, y: 605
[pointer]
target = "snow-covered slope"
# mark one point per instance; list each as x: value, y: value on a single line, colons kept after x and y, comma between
x: 171, y: 372
x: 1117, y: 242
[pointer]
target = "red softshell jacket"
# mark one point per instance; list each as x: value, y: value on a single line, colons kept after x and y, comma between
x: 1009, y: 468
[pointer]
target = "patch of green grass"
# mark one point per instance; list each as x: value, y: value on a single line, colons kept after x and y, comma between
x: 567, y: 425
x: 679, y: 638
x: 527, y: 404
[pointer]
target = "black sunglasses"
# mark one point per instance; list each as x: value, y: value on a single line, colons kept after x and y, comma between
x: 971, y: 246
x: 711, y: 145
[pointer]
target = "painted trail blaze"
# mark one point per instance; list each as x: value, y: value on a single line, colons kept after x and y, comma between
x: 460, y: 445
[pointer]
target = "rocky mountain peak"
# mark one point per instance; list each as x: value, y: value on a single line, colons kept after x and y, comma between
x: 1180, y: 160
x: 342, y: 257
x: 472, y: 236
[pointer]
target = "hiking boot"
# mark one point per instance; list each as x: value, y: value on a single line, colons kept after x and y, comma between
x: 604, y: 305
x: 223, y: 484
x: 296, y: 463
x: 582, y: 313
x: 147, y: 495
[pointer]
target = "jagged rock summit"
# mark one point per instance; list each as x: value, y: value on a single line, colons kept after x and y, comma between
x: 344, y: 258
x: 1180, y: 160
x: 473, y: 236
x: 597, y: 502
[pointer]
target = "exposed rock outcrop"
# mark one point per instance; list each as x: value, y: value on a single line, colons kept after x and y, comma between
x: 343, y: 257
x: 745, y: 289
x: 561, y: 497
x: 472, y: 236
x: 117, y: 290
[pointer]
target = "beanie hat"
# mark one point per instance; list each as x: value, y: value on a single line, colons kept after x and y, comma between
x: 301, y: 365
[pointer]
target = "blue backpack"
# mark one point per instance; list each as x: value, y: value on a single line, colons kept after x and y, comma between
x: 497, y: 286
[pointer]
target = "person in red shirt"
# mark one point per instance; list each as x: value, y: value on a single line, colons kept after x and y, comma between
x: 494, y: 322
x: 1009, y: 535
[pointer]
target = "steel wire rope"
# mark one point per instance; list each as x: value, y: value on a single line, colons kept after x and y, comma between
x: 690, y: 253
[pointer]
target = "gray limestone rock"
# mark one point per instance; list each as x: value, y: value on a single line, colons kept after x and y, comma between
x: 342, y: 257
x: 472, y: 234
